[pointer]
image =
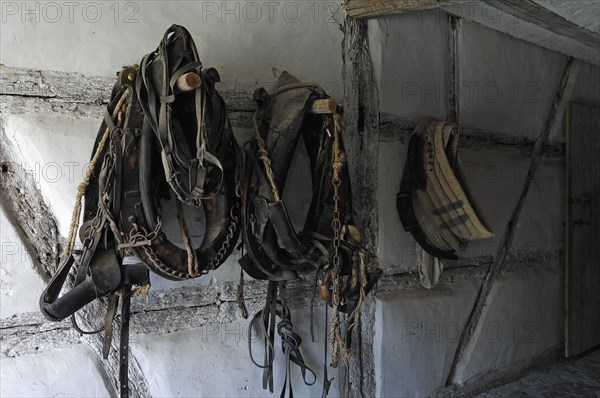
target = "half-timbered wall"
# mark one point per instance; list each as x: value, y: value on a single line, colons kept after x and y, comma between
x: 188, y: 339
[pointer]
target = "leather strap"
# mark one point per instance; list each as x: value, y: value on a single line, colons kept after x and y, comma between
x: 124, y: 341
x: 186, y: 169
x: 290, y: 340
x: 326, y: 380
x: 113, y: 302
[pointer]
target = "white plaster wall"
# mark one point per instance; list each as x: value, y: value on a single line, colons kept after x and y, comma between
x: 408, y: 54
x: 419, y: 330
x: 396, y: 247
x: 249, y: 45
x: 245, y: 41
x: 525, y: 319
x: 55, y: 149
x: 20, y: 285
x: 540, y: 227
x: 213, y: 361
x: 46, y: 374
x: 505, y: 86
x: 417, y: 334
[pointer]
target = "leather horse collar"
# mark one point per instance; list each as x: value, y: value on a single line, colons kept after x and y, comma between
x: 166, y: 131
x: 200, y: 159
x: 275, y: 250
x: 123, y: 188
x: 328, y: 246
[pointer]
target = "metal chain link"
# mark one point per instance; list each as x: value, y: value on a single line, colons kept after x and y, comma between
x: 96, y: 223
x: 228, y: 239
x: 337, y: 341
x: 138, y: 234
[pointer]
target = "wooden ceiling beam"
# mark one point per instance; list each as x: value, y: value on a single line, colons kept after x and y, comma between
x: 532, y: 12
x: 524, y: 19
x: 377, y: 8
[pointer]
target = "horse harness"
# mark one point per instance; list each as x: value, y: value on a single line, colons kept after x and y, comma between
x: 328, y: 247
x: 166, y: 131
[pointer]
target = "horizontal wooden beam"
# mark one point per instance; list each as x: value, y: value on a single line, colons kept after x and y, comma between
x: 532, y: 22
x: 25, y: 91
x: 472, y: 268
x: 31, y: 333
x: 393, y: 128
x: 532, y: 12
x: 527, y: 20
x: 378, y: 8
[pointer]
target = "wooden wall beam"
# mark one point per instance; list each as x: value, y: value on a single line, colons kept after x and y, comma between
x: 361, y: 141
x: 469, y: 333
x: 24, y: 205
x: 393, y: 128
x: 377, y: 8
x: 453, y: 79
x: 532, y: 12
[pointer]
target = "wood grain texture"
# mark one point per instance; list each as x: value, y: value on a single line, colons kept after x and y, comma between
x: 31, y: 333
x: 378, y: 8
x: 582, y: 229
x: 25, y: 207
x: 468, y: 339
x: 393, y: 128
x: 361, y: 141
x: 532, y: 12
x: 453, y: 86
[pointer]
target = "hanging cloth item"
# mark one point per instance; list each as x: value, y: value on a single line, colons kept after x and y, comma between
x: 430, y: 267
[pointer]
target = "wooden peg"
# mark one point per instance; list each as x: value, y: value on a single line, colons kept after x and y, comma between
x: 188, y: 81
x: 321, y: 106
x: 127, y: 74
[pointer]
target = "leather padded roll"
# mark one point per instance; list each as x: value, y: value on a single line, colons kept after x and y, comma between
x: 444, y: 214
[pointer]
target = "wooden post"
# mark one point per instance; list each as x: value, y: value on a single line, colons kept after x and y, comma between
x: 467, y: 340
x: 361, y: 140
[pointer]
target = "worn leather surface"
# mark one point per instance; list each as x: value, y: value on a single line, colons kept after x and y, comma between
x: 434, y: 203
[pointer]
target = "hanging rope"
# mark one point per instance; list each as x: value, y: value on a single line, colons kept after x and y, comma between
x: 192, y: 257
x: 82, y: 188
x: 263, y: 154
x: 337, y: 341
